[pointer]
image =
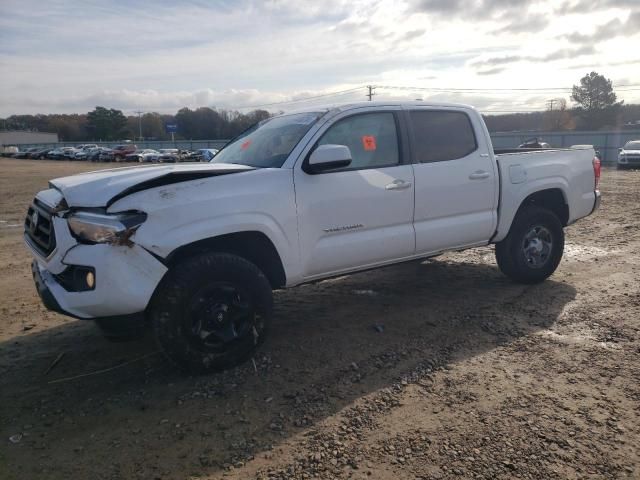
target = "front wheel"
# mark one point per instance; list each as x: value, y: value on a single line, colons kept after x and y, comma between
x: 532, y: 250
x: 211, y: 312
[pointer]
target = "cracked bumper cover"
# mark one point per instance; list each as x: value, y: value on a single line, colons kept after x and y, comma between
x: 125, y: 279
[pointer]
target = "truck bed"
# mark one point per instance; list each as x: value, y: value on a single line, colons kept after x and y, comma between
x: 525, y: 171
x: 505, y: 151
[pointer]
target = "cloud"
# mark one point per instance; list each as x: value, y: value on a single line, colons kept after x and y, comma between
x: 610, y: 30
x: 170, y: 101
x: 561, y: 54
x: 491, y: 71
x: 69, y: 55
x: 515, y: 16
x: 413, y: 34
x: 472, y: 8
x: 528, y: 24
x: 586, y: 6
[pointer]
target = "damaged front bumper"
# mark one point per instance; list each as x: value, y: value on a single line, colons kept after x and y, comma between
x: 124, y: 277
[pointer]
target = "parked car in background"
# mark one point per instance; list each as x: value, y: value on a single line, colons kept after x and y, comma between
x: 629, y: 155
x: 142, y: 156
x: 86, y: 146
x: 81, y: 155
x: 25, y: 153
x: 71, y: 154
x: 93, y: 154
x: 168, y: 155
x: 119, y: 152
x: 40, y: 153
x: 534, y: 143
x: 82, y: 151
x: 106, y: 155
x: 186, y: 156
x: 139, y: 155
x: 204, y: 155
x: 155, y: 158
x: 8, y: 150
x: 61, y: 153
x: 55, y: 153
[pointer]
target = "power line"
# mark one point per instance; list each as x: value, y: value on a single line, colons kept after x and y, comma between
x: 340, y: 92
x: 626, y: 87
x: 371, y: 93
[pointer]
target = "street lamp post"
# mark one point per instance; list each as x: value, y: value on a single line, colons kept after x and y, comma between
x: 139, y: 124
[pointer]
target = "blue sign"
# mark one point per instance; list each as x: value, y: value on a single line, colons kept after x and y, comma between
x: 171, y: 127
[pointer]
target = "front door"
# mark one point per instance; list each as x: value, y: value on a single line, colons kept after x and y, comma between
x: 361, y: 215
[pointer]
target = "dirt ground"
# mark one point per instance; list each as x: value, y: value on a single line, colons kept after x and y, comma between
x: 433, y: 370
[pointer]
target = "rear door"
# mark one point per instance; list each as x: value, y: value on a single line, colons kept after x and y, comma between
x: 456, y: 179
x: 361, y: 215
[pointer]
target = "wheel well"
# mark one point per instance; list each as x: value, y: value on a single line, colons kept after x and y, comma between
x: 253, y: 246
x: 551, y: 199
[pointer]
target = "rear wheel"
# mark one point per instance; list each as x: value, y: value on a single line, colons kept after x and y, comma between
x: 211, y: 312
x: 532, y: 250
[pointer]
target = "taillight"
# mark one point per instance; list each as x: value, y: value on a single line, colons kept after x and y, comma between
x: 596, y: 171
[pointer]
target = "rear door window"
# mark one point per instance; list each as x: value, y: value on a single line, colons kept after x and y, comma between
x: 440, y: 135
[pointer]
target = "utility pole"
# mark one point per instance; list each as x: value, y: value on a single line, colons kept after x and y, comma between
x: 556, y: 120
x: 139, y: 123
x: 371, y: 93
x: 551, y: 102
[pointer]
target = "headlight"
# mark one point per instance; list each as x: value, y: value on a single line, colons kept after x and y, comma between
x: 103, y: 228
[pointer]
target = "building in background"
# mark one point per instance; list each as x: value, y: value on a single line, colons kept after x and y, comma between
x: 23, y: 137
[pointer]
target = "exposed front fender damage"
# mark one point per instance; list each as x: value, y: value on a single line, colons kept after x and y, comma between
x: 179, y: 214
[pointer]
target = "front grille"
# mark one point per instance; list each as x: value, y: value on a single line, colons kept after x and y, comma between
x: 38, y: 227
x: 633, y: 159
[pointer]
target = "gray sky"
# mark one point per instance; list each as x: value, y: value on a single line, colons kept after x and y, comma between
x: 71, y: 55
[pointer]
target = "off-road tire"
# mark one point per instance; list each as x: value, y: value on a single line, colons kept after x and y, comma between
x: 172, y: 323
x: 510, y: 254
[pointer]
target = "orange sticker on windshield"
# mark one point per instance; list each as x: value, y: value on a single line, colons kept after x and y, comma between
x: 245, y: 145
x: 369, y: 142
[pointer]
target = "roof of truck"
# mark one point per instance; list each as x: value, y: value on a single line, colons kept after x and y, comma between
x: 377, y: 103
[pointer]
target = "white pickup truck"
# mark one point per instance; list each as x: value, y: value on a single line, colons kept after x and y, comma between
x: 196, y: 249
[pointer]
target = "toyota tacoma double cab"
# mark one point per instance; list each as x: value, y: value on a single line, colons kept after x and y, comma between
x: 195, y: 250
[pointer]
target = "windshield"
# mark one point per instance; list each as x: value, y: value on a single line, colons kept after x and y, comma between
x: 268, y: 143
x: 635, y: 145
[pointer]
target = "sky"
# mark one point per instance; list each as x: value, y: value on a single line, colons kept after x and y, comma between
x: 67, y: 56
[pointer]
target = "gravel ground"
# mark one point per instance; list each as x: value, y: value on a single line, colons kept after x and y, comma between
x: 433, y: 370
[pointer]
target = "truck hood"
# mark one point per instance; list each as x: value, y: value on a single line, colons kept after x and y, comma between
x: 103, y: 187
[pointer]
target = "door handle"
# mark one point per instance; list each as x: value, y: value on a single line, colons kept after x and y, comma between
x: 398, y: 185
x: 479, y: 175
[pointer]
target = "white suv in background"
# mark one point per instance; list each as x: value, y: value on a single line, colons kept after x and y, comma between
x: 629, y: 155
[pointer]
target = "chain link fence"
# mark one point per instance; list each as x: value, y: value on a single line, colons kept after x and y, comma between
x: 607, y: 142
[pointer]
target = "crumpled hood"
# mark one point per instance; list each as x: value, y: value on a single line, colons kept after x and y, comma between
x: 103, y: 187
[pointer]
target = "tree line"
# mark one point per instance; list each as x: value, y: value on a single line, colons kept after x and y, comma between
x: 596, y: 108
x: 109, y: 124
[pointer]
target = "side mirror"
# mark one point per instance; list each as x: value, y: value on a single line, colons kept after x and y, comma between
x: 328, y: 157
